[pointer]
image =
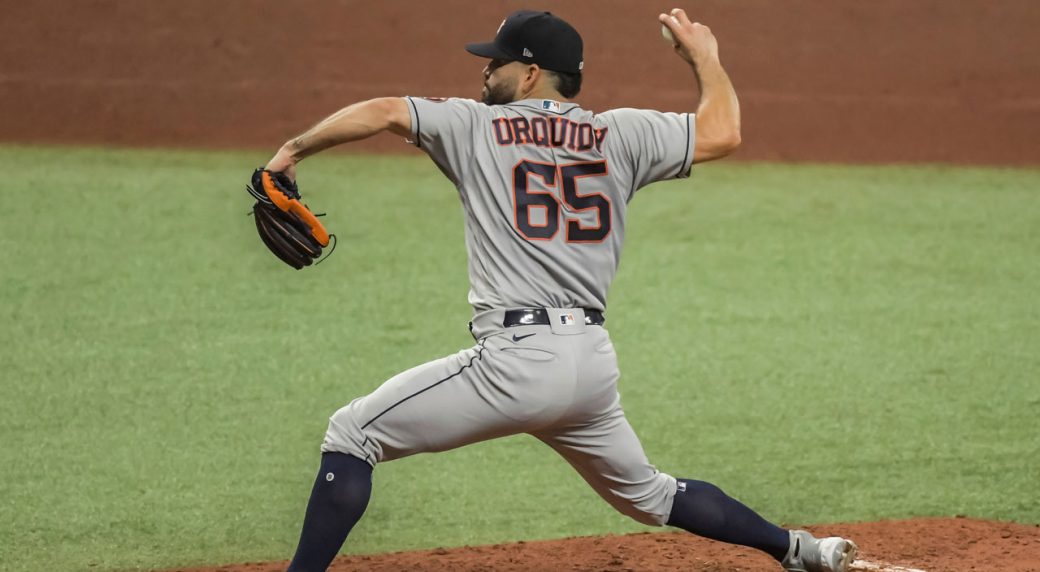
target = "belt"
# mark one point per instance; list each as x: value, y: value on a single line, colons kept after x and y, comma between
x: 538, y: 316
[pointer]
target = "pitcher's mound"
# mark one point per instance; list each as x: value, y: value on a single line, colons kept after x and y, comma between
x: 931, y: 545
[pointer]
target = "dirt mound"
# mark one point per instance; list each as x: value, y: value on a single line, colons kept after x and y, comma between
x: 932, y: 545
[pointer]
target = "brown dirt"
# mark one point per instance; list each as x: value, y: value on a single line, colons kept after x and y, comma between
x: 879, y: 81
x: 932, y: 545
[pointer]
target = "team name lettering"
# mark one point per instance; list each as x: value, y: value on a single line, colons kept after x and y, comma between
x: 548, y: 132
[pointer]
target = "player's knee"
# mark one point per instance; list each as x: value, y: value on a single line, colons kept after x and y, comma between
x: 345, y: 435
x: 650, y: 503
x: 643, y: 515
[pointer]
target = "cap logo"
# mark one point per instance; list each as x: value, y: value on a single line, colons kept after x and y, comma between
x: 500, y: 27
x: 527, y: 53
x: 581, y: 65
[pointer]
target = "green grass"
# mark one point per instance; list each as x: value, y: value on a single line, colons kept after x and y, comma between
x: 826, y: 343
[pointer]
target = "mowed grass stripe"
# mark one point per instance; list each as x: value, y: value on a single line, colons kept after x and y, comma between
x: 825, y: 342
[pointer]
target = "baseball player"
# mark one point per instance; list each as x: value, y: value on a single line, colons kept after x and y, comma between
x: 545, y: 186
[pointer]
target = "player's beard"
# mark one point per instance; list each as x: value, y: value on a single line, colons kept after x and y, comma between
x: 501, y: 93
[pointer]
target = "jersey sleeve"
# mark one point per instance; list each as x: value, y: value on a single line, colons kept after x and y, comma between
x: 444, y: 129
x: 659, y: 145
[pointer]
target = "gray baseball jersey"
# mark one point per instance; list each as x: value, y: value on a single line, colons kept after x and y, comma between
x: 545, y: 187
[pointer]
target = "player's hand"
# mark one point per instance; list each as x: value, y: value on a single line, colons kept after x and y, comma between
x: 282, y: 162
x: 694, y: 41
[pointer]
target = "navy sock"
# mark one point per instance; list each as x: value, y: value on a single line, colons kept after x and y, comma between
x: 338, y: 499
x: 703, y: 509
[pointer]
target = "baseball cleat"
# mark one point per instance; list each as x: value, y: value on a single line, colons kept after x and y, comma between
x: 810, y: 554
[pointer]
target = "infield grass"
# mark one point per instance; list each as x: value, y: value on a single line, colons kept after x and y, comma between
x: 826, y: 343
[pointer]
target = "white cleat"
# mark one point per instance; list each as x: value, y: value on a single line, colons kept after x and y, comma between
x: 810, y: 554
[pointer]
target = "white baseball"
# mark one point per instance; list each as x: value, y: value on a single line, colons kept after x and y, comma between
x: 667, y: 34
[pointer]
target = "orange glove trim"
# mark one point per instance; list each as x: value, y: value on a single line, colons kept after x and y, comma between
x: 286, y: 204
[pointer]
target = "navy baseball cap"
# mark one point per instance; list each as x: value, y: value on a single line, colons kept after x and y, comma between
x: 535, y: 38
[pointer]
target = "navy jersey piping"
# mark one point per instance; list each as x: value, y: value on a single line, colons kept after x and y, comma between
x: 418, y: 133
x: 687, y: 156
x: 530, y: 106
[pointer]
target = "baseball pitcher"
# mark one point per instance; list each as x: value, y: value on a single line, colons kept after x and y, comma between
x: 545, y: 186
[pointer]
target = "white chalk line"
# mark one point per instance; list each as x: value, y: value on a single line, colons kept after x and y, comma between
x: 881, y: 567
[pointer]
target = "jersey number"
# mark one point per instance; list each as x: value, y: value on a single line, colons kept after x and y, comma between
x: 526, y: 200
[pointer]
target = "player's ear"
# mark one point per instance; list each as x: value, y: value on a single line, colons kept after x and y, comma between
x: 531, y: 76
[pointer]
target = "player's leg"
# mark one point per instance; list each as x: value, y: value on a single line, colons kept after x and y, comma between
x: 338, y: 499
x: 496, y: 388
x: 702, y: 508
x: 609, y: 456
x: 480, y: 393
x: 601, y: 445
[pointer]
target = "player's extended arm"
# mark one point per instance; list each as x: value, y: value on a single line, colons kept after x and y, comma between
x: 352, y: 123
x: 718, y: 114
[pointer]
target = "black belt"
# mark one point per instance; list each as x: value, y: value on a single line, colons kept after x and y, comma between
x: 539, y: 317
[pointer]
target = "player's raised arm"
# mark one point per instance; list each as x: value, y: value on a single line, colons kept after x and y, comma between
x: 718, y: 114
x: 351, y: 123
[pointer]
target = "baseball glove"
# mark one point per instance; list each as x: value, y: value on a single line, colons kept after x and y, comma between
x: 286, y: 226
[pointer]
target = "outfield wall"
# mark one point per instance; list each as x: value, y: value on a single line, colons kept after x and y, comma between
x: 841, y: 80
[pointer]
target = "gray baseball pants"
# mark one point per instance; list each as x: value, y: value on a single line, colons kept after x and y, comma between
x: 557, y: 382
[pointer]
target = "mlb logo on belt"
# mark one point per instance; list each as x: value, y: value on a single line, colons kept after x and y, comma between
x: 567, y: 319
x: 550, y: 105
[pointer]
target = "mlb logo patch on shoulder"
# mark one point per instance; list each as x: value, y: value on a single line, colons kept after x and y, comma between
x: 550, y: 105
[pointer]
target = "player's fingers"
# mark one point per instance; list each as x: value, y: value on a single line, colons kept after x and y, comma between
x: 669, y: 21
x: 680, y: 15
